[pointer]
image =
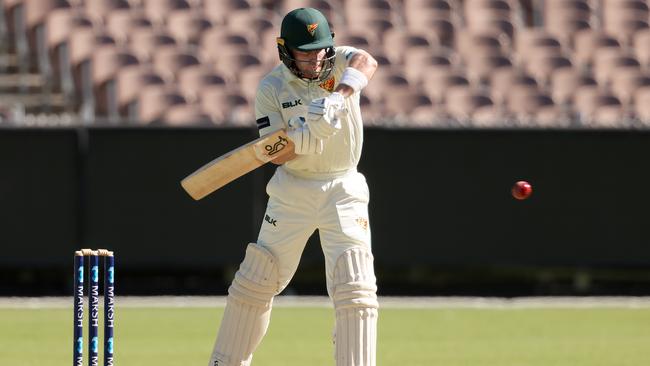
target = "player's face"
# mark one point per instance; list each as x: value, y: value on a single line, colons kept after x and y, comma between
x: 309, y: 63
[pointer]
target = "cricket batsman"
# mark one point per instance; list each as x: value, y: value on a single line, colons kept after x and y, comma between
x: 314, y: 95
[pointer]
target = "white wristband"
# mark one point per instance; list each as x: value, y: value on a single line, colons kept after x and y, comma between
x: 354, y: 78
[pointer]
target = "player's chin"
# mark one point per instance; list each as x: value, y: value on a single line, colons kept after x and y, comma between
x: 311, y: 73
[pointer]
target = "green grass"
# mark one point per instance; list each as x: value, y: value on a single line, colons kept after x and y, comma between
x: 302, y: 336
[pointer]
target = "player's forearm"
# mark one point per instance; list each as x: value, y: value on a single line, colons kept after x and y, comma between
x: 363, y: 62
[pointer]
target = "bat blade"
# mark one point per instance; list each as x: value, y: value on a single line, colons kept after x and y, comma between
x: 236, y: 163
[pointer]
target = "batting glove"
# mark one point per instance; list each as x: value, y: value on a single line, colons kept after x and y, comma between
x: 305, y: 142
x: 323, y: 116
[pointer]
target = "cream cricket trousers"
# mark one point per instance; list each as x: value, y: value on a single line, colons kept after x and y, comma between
x: 338, y: 208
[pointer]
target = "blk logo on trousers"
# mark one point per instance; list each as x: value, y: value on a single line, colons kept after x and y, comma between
x: 270, y: 220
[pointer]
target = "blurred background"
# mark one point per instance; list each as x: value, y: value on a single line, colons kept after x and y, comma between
x: 106, y: 104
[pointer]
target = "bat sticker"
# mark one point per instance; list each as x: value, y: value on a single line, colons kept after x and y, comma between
x: 277, y: 146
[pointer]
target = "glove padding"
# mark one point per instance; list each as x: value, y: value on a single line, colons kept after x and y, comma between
x: 305, y: 142
x: 323, y: 116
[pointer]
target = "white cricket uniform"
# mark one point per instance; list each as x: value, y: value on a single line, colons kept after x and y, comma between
x: 323, y: 192
x: 319, y: 191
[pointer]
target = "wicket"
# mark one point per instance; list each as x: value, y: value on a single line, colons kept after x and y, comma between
x: 93, y: 306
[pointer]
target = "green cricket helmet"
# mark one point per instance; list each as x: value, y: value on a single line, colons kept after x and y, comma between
x: 306, y: 29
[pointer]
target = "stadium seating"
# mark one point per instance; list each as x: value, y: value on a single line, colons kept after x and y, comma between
x: 482, y: 62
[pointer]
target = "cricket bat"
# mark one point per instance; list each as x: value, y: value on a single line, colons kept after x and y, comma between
x: 236, y: 163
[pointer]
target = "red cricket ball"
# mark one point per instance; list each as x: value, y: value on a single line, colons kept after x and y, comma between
x: 522, y: 190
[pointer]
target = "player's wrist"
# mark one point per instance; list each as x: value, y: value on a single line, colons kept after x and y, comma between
x: 354, y: 78
x: 344, y: 90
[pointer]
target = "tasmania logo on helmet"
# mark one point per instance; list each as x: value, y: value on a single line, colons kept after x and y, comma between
x: 311, y: 28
